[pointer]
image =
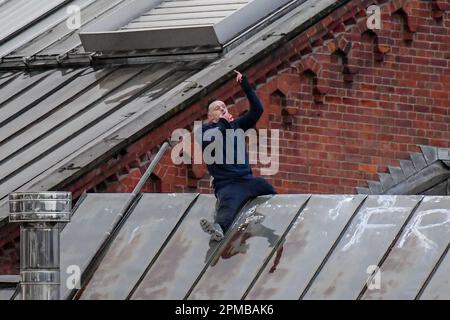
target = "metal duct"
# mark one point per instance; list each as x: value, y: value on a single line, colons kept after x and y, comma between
x: 39, y: 215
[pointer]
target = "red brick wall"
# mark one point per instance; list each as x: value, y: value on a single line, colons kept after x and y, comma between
x: 348, y: 101
x: 9, y: 250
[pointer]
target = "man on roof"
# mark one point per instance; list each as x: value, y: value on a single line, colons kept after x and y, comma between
x: 233, y: 181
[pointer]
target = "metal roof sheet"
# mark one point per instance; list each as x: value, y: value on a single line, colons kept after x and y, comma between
x: 16, y: 15
x: 45, y: 116
x: 319, y: 246
x: 137, y: 244
x: 181, y: 23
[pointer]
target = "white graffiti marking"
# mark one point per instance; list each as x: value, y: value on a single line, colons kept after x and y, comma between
x: 335, y: 212
x: 416, y: 228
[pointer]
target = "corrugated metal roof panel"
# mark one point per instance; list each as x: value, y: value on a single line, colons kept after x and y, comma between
x: 47, y: 116
x: 17, y: 14
x: 307, y: 244
x: 136, y: 245
x: 439, y: 286
x: 6, y: 293
x: 90, y: 226
x: 45, y: 25
x: 186, y: 13
x: 58, y: 39
x: 182, y: 259
x: 376, y: 226
x: 165, y: 255
x: 12, y: 110
x: 234, y: 267
x: 421, y: 245
x: 182, y: 23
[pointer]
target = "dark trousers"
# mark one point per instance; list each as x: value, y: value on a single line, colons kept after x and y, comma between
x: 232, y: 195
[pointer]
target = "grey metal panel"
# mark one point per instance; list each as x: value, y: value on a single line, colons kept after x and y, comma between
x: 21, y: 84
x: 41, y: 90
x: 17, y: 14
x: 86, y: 126
x: 44, y: 117
x: 238, y: 261
x: 6, y: 293
x: 444, y: 154
x: 418, y: 160
x: 136, y: 245
x: 376, y: 225
x: 247, y: 16
x: 9, y: 279
x: 307, y: 244
x: 119, y: 18
x: 6, y: 77
x: 143, y: 39
x: 173, y: 23
x: 117, y: 111
x: 397, y: 174
x: 72, y: 40
x: 407, y: 167
x: 61, y: 33
x: 439, y: 286
x: 40, y: 27
x: 430, y: 153
x: 438, y: 190
x: 195, y: 3
x: 183, y: 258
x: 4, y: 213
x: 91, y: 224
x: 414, y: 256
x: 149, y: 33
x: 375, y: 187
x: 386, y: 180
x: 13, y: 166
x: 8, y: 285
x: 185, y: 13
x: 184, y: 16
x: 191, y: 10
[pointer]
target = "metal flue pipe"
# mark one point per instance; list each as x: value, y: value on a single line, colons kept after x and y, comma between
x: 39, y: 215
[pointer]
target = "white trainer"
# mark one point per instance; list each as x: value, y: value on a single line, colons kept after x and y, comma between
x: 212, y: 229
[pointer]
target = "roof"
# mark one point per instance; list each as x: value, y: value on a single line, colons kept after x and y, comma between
x: 178, y: 23
x: 427, y: 172
x: 63, y: 111
x: 308, y: 247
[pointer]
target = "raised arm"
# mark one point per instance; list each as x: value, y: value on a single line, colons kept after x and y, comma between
x: 250, y: 119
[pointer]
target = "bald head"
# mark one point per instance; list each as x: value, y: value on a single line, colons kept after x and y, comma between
x: 217, y: 110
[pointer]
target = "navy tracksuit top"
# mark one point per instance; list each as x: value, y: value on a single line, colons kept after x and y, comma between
x: 225, y: 172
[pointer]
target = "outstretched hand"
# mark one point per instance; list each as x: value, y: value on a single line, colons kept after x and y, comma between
x: 239, y: 76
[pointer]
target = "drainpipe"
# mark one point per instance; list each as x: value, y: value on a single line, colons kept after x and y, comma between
x: 39, y: 215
